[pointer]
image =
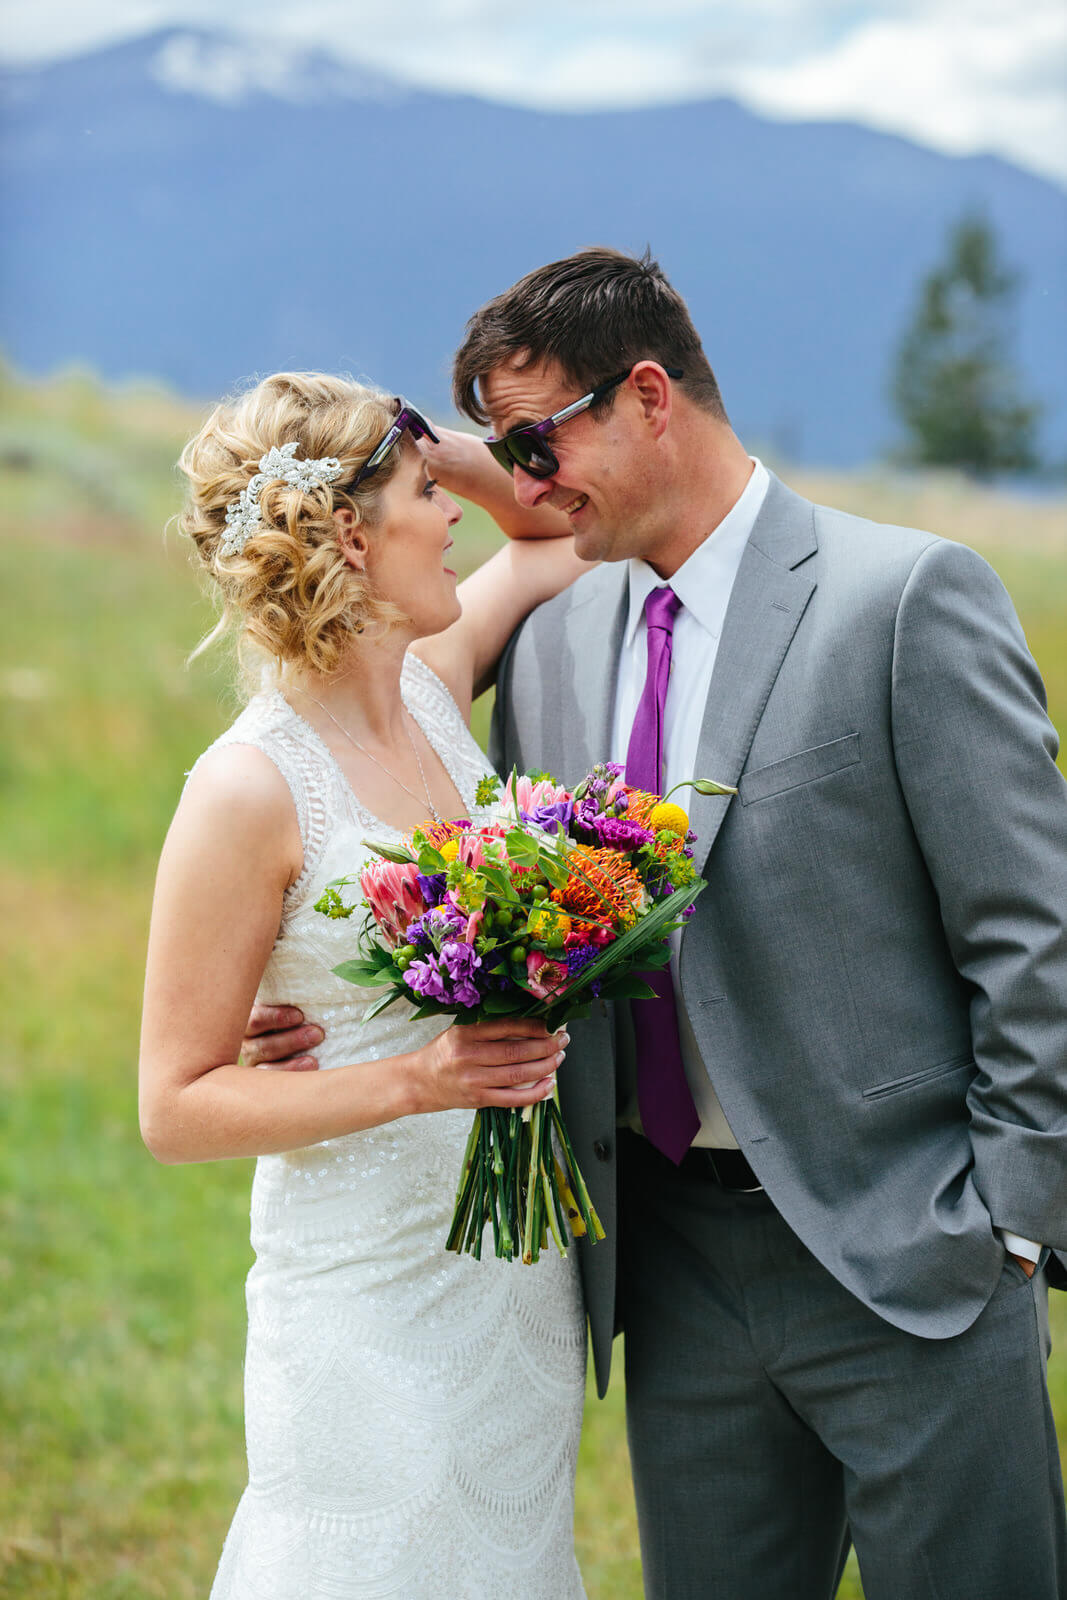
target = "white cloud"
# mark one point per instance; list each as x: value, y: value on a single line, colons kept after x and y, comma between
x: 962, y: 75
x: 996, y: 84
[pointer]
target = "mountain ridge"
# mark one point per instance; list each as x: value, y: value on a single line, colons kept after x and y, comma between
x: 196, y: 238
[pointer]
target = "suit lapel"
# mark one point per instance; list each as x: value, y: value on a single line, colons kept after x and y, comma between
x: 766, y: 605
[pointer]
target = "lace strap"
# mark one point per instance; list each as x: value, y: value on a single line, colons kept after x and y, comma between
x: 269, y: 725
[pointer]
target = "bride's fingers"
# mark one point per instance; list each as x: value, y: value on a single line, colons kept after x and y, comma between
x: 523, y: 1077
x: 508, y: 1052
x: 510, y: 1028
x: 269, y: 1019
x: 280, y: 1048
x: 526, y: 1094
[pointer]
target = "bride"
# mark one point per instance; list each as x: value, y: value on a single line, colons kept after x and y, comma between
x: 412, y: 1416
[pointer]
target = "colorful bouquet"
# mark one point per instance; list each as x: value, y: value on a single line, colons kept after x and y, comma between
x: 550, y: 900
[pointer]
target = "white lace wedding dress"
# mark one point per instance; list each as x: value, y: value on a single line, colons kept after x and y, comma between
x: 412, y: 1415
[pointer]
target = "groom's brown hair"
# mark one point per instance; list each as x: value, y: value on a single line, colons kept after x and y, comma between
x: 594, y: 314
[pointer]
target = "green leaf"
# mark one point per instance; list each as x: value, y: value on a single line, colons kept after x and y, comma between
x: 626, y: 988
x: 500, y: 1004
x: 522, y: 848
x: 365, y: 973
x: 431, y: 860
x: 382, y: 1004
x: 499, y: 880
x: 553, y: 869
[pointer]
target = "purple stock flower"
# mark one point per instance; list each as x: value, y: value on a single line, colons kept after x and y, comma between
x: 447, y: 977
x: 459, y: 958
x: 461, y: 962
x: 426, y: 980
x: 444, y: 919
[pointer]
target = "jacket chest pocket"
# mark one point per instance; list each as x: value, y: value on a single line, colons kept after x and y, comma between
x: 794, y: 771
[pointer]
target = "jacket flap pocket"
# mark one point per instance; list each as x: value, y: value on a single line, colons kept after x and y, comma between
x: 804, y: 767
x: 913, y: 1080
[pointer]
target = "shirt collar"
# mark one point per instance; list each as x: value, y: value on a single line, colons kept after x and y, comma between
x: 704, y: 581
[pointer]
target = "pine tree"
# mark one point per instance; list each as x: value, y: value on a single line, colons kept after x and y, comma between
x: 953, y: 386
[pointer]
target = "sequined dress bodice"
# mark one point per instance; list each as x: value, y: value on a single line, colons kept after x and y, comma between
x: 412, y: 1416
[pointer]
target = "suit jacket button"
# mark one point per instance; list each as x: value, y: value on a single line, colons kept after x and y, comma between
x: 602, y: 1149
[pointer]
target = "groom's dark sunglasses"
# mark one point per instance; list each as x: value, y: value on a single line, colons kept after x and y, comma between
x: 525, y: 447
x: 408, y: 420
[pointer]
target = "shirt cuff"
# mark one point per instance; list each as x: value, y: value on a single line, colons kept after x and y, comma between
x: 1016, y: 1246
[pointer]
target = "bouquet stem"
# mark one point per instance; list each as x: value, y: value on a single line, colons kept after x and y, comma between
x: 520, y: 1178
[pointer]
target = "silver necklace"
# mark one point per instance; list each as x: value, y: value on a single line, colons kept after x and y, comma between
x: 435, y: 814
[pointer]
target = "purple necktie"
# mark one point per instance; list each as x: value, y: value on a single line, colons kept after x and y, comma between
x: 668, y: 1114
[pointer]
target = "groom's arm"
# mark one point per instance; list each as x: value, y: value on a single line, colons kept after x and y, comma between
x: 975, y: 754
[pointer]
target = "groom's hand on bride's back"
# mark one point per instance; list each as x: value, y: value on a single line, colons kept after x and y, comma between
x: 279, y: 1038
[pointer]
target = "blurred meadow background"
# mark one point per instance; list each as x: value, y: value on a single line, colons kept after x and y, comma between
x: 121, y: 1282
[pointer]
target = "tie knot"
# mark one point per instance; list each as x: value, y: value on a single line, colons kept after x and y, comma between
x: 661, y: 608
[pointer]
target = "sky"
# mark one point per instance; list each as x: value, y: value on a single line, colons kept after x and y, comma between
x: 964, y: 76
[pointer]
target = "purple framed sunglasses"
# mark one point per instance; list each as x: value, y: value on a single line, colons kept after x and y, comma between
x: 525, y: 447
x: 408, y: 420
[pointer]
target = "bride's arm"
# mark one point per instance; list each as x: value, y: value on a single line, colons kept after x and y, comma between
x: 462, y: 465
x: 537, y: 563
x: 233, y: 848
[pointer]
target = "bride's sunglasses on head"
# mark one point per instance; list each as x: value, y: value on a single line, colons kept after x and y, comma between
x: 408, y: 420
x: 525, y: 447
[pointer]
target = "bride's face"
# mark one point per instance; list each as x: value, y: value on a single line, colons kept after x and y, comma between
x: 407, y: 550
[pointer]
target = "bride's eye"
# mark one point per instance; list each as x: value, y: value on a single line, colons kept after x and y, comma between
x: 429, y: 486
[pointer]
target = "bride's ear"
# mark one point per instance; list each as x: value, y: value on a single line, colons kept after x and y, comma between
x: 352, y: 538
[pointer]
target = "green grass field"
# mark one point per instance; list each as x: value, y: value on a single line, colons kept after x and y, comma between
x: 121, y: 1282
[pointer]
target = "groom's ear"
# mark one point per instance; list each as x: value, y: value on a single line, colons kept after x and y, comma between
x: 352, y: 538
x: 652, y: 387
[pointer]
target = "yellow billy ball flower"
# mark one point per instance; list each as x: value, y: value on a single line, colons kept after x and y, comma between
x: 670, y: 817
x: 450, y: 849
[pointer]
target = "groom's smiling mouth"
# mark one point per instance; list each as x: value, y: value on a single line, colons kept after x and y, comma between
x: 575, y: 505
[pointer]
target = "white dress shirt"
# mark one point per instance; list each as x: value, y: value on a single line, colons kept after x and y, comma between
x: 703, y: 584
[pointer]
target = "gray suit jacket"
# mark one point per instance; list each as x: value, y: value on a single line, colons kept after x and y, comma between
x: 876, y: 974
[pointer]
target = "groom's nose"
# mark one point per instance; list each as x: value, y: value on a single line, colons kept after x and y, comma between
x: 529, y: 492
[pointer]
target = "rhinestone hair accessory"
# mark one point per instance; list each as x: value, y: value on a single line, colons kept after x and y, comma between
x: 245, y: 518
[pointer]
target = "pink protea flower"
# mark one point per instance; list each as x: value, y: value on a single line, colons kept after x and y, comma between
x: 544, y: 976
x: 391, y: 889
x: 475, y: 848
x: 528, y: 795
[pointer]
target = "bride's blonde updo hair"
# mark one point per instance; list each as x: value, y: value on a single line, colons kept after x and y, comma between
x: 290, y: 593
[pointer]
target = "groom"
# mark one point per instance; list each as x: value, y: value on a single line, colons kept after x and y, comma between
x: 839, y: 1158
x: 831, y: 1161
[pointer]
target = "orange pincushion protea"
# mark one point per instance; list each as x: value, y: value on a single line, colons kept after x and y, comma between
x: 640, y: 806
x: 600, y: 875
x: 437, y: 834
